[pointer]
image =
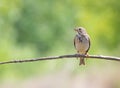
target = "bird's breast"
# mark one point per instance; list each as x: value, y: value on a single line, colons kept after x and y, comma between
x: 81, y: 46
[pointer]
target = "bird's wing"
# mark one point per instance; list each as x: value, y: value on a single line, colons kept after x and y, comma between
x: 89, y: 43
x: 74, y: 42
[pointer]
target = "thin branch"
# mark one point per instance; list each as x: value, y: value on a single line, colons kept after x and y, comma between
x: 62, y: 57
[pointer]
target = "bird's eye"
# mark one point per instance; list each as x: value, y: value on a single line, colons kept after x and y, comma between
x: 79, y: 29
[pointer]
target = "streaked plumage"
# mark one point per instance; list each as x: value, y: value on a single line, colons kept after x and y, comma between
x: 82, y: 43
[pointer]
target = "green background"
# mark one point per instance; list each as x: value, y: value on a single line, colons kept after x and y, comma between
x: 41, y: 28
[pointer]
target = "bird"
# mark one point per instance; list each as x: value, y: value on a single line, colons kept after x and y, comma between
x: 81, y: 43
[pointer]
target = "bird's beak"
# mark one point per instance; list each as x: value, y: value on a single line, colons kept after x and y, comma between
x: 75, y: 29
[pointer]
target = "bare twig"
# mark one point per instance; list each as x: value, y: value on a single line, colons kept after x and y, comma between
x: 61, y: 57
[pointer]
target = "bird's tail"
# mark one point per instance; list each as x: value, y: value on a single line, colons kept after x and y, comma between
x: 82, y: 61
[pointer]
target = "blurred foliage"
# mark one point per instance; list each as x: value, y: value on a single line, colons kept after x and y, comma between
x: 36, y: 28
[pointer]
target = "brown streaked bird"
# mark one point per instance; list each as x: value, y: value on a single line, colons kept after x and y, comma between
x: 81, y: 43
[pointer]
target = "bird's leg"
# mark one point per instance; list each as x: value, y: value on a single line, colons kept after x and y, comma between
x: 86, y: 54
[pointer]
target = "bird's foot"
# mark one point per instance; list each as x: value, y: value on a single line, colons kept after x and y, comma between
x: 87, y: 54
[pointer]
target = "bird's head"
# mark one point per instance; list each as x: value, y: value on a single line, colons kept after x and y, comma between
x: 80, y: 30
